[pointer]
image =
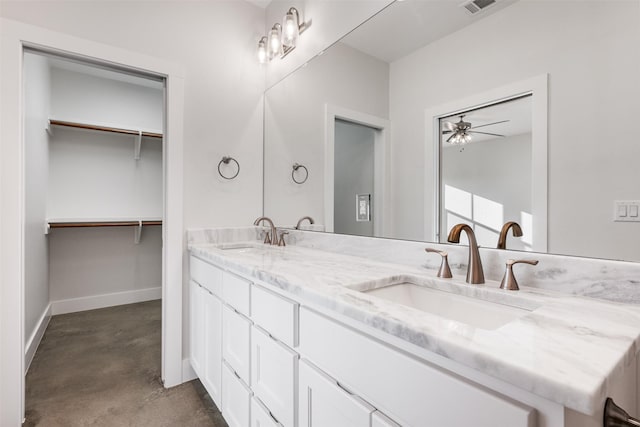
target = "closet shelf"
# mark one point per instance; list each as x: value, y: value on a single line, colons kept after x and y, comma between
x: 119, y: 222
x: 53, y: 122
x: 92, y: 223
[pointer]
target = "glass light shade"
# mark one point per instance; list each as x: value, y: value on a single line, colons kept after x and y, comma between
x: 290, y: 29
x: 262, y: 51
x: 275, y: 44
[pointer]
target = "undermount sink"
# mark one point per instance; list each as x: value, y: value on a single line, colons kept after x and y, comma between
x: 471, y: 311
x: 241, y: 246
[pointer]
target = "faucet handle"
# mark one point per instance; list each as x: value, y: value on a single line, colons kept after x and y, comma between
x: 509, y: 280
x: 444, y: 271
x: 267, y: 237
x: 281, y: 241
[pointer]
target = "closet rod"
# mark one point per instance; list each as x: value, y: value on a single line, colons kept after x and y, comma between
x: 102, y: 224
x: 103, y: 128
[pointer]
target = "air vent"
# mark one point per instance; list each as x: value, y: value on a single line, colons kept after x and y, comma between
x: 475, y: 6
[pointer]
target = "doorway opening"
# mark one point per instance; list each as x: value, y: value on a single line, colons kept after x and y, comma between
x: 356, y: 175
x: 354, y: 172
x: 94, y: 186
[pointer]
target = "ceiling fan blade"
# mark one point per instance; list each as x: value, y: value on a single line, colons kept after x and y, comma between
x: 449, y: 126
x: 485, y: 133
x: 451, y: 137
x: 489, y: 124
x: 446, y: 131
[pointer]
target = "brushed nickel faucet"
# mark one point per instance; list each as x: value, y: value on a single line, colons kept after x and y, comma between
x: 444, y: 271
x: 509, y: 281
x: 302, y: 219
x: 271, y: 236
x: 475, y: 275
x: 517, y: 232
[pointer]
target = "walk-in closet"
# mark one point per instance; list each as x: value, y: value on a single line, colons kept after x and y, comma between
x: 93, y: 189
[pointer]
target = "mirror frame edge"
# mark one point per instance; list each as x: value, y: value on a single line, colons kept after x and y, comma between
x: 538, y: 87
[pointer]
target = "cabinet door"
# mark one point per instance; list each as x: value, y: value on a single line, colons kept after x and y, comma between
x: 236, y: 402
x: 196, y: 327
x: 236, y: 333
x: 273, y: 376
x: 380, y: 420
x: 212, y: 363
x: 260, y: 416
x: 325, y: 404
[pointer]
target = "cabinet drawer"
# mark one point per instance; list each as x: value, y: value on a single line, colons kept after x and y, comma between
x: 378, y: 419
x: 260, y: 416
x: 236, y: 399
x: 325, y: 404
x: 275, y: 314
x: 406, y: 389
x: 206, y: 275
x: 273, y: 376
x: 236, y: 338
x: 236, y: 292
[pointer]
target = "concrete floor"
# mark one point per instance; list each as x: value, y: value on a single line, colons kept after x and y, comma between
x: 102, y: 368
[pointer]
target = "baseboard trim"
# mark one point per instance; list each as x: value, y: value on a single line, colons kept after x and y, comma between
x: 36, y: 337
x: 188, y: 373
x: 93, y: 302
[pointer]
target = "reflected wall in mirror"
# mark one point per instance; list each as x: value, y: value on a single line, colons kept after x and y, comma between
x: 417, y: 55
x: 485, y: 171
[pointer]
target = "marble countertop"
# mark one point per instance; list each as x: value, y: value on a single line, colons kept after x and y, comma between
x: 563, y: 348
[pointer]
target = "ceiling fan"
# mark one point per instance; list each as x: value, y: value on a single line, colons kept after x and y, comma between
x: 462, y: 131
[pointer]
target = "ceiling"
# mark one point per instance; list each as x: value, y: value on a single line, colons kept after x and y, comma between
x: 260, y: 3
x: 407, y: 25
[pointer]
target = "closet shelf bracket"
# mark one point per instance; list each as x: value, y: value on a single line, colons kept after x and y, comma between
x: 137, y: 233
x: 137, y: 144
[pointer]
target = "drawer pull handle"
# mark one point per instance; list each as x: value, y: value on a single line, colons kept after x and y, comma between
x: 258, y: 363
x: 615, y: 416
x: 309, y: 408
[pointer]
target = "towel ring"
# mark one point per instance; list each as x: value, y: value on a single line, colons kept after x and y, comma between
x: 226, y: 160
x: 297, y: 166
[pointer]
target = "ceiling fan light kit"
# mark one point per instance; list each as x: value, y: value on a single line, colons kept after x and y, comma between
x: 461, y: 131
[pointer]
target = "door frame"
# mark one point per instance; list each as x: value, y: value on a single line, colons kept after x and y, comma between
x: 537, y: 87
x: 14, y: 38
x: 382, y: 151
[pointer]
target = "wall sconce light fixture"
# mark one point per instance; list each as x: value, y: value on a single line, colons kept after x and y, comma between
x: 282, y: 38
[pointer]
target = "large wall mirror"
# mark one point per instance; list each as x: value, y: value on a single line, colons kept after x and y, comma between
x: 427, y: 115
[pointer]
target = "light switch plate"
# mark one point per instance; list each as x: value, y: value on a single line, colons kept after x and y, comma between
x: 363, y: 207
x: 626, y: 211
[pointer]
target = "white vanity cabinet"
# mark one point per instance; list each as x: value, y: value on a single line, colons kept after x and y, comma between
x: 206, y: 350
x: 410, y: 391
x: 236, y: 342
x: 206, y: 326
x: 378, y: 419
x: 324, y: 403
x: 274, y: 373
x: 260, y: 416
x: 236, y: 400
x: 283, y: 364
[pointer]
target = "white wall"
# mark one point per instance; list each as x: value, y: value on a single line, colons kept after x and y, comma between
x: 331, y: 20
x: 106, y: 101
x: 215, y: 42
x: 89, y: 263
x: 295, y: 125
x: 37, y: 104
x: 591, y: 55
x: 93, y: 174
